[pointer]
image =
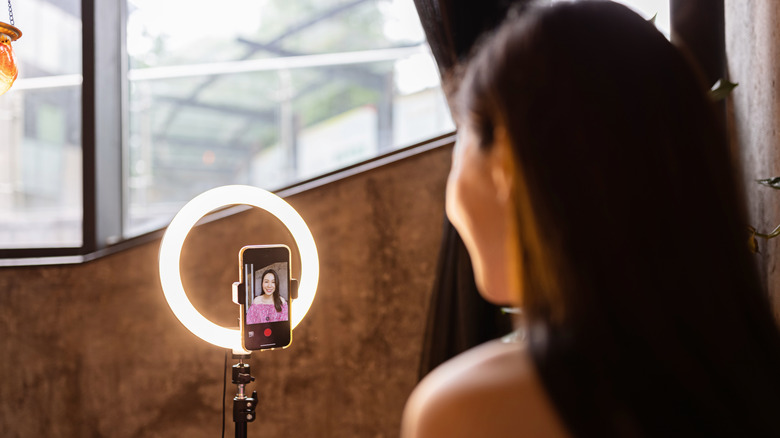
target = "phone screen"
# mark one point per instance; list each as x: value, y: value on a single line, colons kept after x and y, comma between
x: 265, y: 321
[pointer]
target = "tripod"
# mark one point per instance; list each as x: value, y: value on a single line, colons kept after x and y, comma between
x: 243, y: 406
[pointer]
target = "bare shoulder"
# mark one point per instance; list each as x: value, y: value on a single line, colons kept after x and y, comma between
x: 490, y: 390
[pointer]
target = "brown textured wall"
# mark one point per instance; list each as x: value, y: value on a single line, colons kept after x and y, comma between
x: 753, y: 53
x: 92, y: 350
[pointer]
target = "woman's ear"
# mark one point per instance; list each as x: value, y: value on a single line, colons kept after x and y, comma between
x: 502, y: 165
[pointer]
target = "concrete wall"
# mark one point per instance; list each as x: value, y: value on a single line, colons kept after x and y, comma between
x: 93, y: 350
x: 753, y: 55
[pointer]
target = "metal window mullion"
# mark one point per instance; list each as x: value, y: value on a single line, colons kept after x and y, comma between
x: 102, y: 123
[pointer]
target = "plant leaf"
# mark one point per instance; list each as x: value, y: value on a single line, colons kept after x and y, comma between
x: 721, y: 90
x: 652, y: 19
x: 753, y: 244
x: 770, y: 182
x: 752, y: 241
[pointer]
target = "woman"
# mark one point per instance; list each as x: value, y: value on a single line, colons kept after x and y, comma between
x: 268, y: 306
x: 593, y: 187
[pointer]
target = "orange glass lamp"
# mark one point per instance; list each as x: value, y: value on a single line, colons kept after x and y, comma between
x: 8, y: 69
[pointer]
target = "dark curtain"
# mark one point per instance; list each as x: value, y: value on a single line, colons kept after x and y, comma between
x: 699, y: 26
x: 459, y: 318
x: 453, y: 26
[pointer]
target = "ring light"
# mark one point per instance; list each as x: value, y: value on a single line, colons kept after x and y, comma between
x: 189, y: 215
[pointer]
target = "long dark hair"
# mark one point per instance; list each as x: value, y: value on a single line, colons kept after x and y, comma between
x: 277, y: 296
x: 645, y: 314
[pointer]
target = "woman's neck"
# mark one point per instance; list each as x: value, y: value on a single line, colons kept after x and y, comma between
x: 267, y: 299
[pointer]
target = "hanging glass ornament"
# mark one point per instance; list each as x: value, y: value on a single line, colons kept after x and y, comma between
x: 8, y: 69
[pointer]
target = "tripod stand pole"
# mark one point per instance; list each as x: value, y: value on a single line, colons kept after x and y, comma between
x: 243, y: 406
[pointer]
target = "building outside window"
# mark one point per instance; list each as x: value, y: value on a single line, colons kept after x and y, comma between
x: 268, y: 94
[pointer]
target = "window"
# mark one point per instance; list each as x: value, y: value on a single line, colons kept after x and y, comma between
x: 40, y: 131
x: 173, y: 97
x: 276, y: 93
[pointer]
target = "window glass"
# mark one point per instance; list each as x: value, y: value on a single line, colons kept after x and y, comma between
x: 268, y: 93
x: 40, y: 130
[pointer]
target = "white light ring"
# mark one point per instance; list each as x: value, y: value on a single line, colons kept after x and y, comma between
x: 189, y: 215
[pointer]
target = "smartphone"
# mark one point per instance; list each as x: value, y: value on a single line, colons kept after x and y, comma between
x: 265, y: 314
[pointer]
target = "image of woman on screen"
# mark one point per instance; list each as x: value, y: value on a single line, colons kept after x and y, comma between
x: 267, y: 304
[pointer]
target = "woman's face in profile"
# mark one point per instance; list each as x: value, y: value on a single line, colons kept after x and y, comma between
x: 269, y: 285
x: 478, y: 206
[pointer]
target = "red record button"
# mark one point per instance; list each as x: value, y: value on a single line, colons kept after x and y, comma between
x: 267, y: 332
